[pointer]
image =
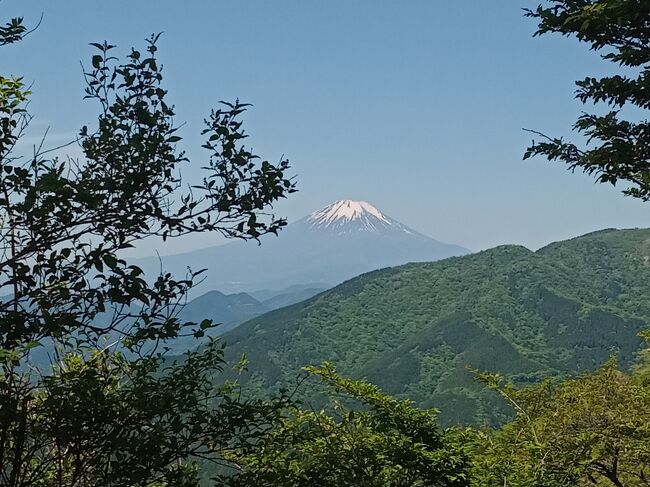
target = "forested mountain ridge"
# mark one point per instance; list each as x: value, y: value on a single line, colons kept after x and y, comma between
x: 415, y: 329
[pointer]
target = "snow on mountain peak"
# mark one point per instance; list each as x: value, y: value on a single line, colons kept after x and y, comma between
x: 347, y: 216
x: 346, y: 210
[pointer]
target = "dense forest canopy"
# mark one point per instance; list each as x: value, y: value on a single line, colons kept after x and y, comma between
x: 414, y: 330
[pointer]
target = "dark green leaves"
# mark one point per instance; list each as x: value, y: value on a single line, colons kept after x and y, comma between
x: 12, y: 31
x: 97, y: 61
x: 617, y: 149
x: 111, y: 411
x: 71, y: 218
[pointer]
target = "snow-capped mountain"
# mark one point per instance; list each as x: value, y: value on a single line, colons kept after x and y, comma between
x: 333, y: 244
x: 348, y: 216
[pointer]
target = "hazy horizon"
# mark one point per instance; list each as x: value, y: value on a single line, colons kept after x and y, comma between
x: 417, y: 108
x: 167, y: 251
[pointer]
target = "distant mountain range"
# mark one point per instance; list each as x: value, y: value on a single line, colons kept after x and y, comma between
x: 225, y: 310
x: 229, y: 310
x: 336, y: 243
x: 288, y: 296
x: 415, y: 329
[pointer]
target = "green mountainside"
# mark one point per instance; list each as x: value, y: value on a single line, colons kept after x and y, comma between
x: 415, y: 329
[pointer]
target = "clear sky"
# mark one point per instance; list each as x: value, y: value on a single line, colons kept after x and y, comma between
x: 416, y: 106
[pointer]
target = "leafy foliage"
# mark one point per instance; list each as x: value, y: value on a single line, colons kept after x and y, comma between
x: 592, y: 430
x: 64, y: 222
x: 111, y: 411
x: 386, y: 443
x: 12, y: 31
x: 104, y: 420
x: 620, y: 29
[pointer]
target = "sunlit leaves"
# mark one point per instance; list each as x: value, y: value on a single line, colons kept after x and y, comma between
x: 592, y: 430
x: 379, y: 441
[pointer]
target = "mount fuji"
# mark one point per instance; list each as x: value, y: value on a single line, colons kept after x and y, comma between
x: 333, y: 244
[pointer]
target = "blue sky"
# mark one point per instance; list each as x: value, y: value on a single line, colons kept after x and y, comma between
x: 416, y: 106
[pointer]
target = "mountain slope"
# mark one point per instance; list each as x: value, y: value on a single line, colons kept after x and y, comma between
x: 227, y: 310
x: 414, y: 329
x: 331, y: 245
x: 223, y: 308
